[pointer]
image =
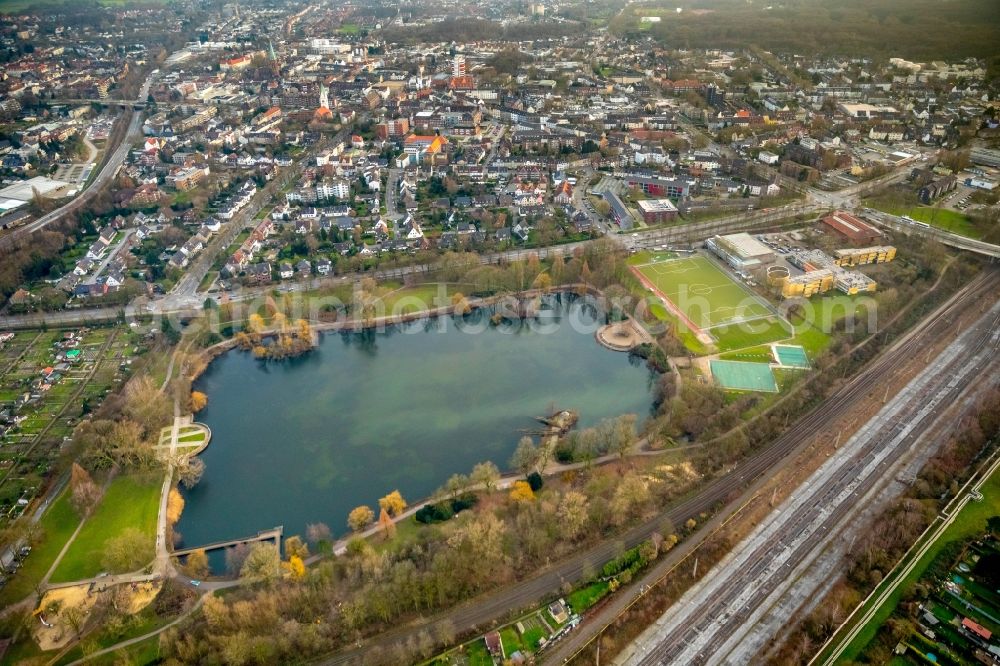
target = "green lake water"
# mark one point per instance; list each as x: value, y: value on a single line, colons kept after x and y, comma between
x: 306, y: 440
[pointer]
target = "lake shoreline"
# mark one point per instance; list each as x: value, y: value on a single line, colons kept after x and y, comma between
x: 457, y: 398
x: 355, y: 325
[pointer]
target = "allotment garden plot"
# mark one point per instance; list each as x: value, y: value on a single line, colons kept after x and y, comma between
x: 708, y: 301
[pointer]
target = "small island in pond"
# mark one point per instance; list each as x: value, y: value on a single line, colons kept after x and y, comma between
x: 287, y: 341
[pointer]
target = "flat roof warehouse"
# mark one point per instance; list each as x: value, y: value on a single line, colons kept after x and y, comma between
x: 657, y: 206
x: 741, y: 251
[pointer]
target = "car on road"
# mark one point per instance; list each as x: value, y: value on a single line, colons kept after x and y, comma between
x: 196, y: 583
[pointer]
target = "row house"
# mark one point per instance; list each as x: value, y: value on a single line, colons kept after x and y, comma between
x: 242, y: 197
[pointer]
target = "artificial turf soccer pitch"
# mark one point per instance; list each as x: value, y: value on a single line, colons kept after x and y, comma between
x: 703, y: 292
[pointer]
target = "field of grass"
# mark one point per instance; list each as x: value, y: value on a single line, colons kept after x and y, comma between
x: 207, y: 281
x: 585, y: 597
x: 969, y: 522
x: 140, y: 654
x: 416, y: 298
x: 683, y: 333
x: 824, y: 312
x: 813, y: 340
x: 942, y: 218
x: 703, y: 292
x: 477, y: 655
x: 130, y: 501
x: 196, y: 437
x: 649, y: 256
x: 57, y: 525
x: 144, y: 652
x: 511, y: 641
x: 751, y: 334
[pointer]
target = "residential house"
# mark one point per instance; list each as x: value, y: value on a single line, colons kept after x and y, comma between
x: 259, y: 273
x: 563, y: 193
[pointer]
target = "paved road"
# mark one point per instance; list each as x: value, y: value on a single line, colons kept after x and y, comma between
x: 133, y: 122
x: 184, y: 301
x: 897, y: 223
x: 714, y: 622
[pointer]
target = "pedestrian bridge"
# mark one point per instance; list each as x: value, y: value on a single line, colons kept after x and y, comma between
x: 266, y: 535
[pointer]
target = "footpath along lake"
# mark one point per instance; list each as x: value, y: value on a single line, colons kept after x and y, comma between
x: 306, y: 440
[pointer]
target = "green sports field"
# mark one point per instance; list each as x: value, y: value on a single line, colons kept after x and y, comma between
x: 703, y: 292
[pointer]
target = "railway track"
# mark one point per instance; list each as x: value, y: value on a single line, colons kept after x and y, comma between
x: 708, y: 633
x: 501, y: 604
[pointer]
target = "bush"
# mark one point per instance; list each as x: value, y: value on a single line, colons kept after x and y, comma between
x: 654, y: 355
x: 535, y: 481
x: 630, y: 561
x: 444, y: 510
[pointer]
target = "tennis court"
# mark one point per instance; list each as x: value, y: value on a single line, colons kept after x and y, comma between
x: 700, y: 290
x: 791, y: 356
x: 744, y: 376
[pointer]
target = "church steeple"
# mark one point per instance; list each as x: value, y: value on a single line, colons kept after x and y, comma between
x: 323, y: 112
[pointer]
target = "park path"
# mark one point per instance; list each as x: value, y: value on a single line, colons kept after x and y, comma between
x: 138, y: 639
x: 162, y: 563
x: 507, y: 481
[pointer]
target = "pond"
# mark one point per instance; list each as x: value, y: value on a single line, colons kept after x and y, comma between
x: 306, y: 440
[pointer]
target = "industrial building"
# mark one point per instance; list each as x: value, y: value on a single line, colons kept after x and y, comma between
x: 657, y: 211
x: 853, y: 229
x: 741, y: 251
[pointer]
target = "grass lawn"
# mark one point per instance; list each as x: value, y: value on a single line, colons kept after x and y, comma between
x: 942, y: 218
x: 476, y: 653
x: 703, y: 292
x: 812, y: 339
x: 407, y: 531
x: 196, y: 437
x: 969, y: 522
x: 809, y: 337
x: 532, y: 635
x: 511, y: 641
x: 207, y: 281
x: 585, y: 597
x: 139, y: 624
x: 140, y: 654
x: 751, y: 334
x: 349, y: 29
x: 57, y: 524
x: 683, y: 333
x: 649, y: 256
x: 130, y: 501
x: 825, y: 311
x: 417, y: 298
